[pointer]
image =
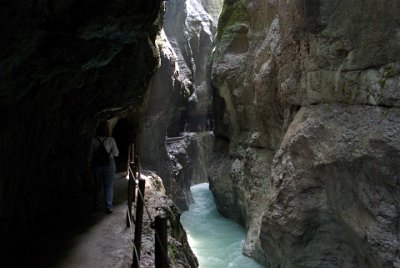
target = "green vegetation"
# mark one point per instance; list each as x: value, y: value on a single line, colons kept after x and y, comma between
x: 233, y: 15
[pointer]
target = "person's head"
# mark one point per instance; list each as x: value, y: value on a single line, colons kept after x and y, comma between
x: 103, y: 130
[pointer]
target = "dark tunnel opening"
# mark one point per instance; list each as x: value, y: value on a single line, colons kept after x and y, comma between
x: 123, y: 138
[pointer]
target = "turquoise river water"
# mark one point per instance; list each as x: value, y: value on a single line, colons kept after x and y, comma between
x: 216, y: 241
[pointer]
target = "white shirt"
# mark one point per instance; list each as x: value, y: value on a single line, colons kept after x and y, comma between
x: 109, y: 144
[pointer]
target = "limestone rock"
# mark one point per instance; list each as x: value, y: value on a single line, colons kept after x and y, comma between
x: 166, y: 96
x: 190, y: 30
x: 178, y: 100
x: 274, y: 58
x: 190, y: 156
x: 158, y: 203
x: 335, y: 189
x: 248, y: 120
x: 180, y: 161
x: 333, y: 53
x: 213, y: 7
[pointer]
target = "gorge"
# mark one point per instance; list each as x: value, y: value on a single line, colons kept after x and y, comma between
x: 289, y: 109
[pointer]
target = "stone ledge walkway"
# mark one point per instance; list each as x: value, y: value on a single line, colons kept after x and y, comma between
x: 108, y: 242
x: 102, y: 240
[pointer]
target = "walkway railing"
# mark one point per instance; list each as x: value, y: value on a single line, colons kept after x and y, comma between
x: 174, y: 139
x: 160, y: 222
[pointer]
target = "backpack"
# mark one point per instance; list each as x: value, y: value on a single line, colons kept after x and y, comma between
x: 101, y: 157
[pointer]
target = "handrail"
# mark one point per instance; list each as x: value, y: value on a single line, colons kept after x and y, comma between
x: 159, y: 231
x: 161, y: 258
x: 138, y: 224
x: 173, y: 139
x: 131, y: 195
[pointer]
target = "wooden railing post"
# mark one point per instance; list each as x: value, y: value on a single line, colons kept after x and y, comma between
x: 135, y: 169
x: 131, y: 193
x: 137, y: 166
x: 161, y: 242
x: 138, y: 224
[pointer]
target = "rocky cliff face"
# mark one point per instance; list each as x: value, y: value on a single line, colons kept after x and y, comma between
x: 64, y: 67
x: 167, y: 95
x: 213, y: 7
x: 190, y: 159
x: 179, y: 100
x: 306, y: 95
x: 157, y: 203
x: 190, y: 30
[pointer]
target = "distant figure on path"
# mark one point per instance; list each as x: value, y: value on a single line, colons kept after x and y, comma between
x: 103, y: 149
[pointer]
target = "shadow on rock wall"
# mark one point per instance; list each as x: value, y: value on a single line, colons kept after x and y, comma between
x: 64, y: 67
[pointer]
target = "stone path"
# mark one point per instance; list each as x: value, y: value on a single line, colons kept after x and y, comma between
x: 108, y: 242
x: 103, y: 240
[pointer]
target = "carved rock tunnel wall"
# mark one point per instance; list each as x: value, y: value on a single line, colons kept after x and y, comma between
x: 64, y: 67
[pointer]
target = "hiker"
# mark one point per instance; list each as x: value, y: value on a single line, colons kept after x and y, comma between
x: 103, y: 149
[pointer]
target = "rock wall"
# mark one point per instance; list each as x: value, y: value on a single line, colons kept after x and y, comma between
x: 179, y: 100
x: 213, y: 7
x: 190, y: 30
x: 200, y: 155
x: 64, y: 67
x: 306, y: 97
x: 249, y: 121
x: 158, y: 203
x: 167, y: 95
x: 334, y: 189
x: 190, y: 158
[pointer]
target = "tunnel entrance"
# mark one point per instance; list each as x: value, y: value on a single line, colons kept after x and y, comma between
x: 122, y: 133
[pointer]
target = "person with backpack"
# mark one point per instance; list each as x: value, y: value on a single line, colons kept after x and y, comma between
x: 103, y: 149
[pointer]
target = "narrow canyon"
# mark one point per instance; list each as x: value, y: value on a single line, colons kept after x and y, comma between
x: 290, y: 110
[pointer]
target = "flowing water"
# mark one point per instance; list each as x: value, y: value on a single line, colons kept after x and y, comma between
x: 216, y: 241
